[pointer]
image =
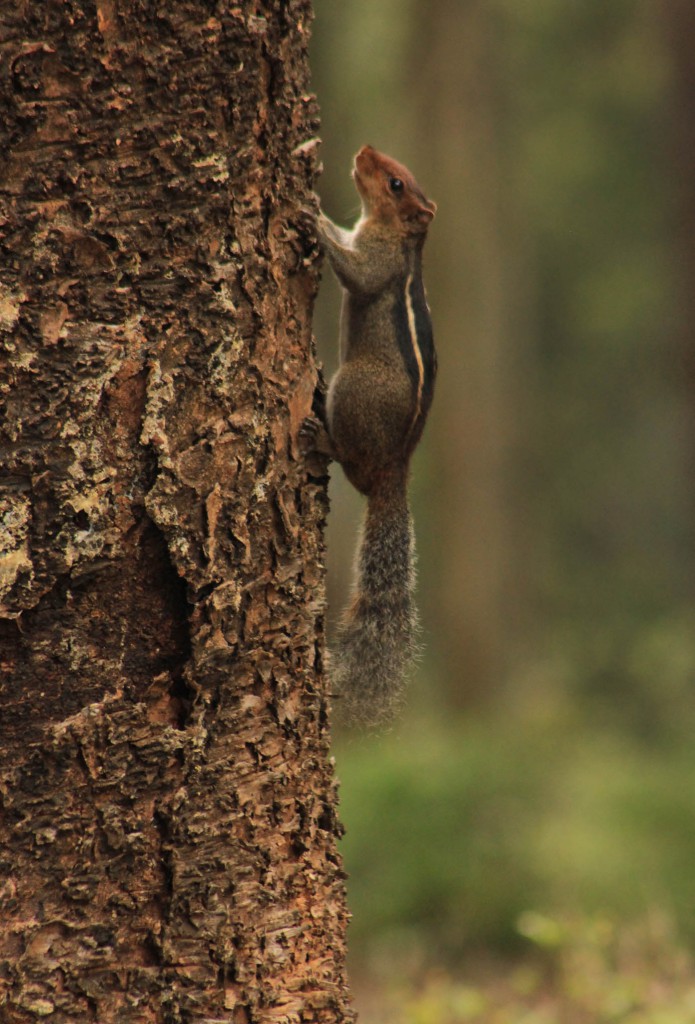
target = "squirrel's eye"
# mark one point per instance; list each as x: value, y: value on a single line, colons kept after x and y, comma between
x: 396, y: 185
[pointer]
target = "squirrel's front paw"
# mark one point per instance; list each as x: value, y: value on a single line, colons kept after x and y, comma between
x: 306, y: 220
x: 314, y: 438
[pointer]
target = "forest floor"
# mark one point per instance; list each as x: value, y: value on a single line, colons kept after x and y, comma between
x: 582, y: 972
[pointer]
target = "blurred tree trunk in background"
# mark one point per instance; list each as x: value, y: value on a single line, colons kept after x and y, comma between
x: 444, y: 59
x: 680, y: 25
x: 168, y: 836
x: 476, y: 310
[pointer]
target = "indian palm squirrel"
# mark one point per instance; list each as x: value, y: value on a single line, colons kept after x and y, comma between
x: 376, y: 408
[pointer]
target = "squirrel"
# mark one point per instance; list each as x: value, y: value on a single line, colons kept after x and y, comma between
x: 376, y: 408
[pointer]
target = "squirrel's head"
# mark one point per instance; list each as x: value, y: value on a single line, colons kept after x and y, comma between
x: 390, y: 193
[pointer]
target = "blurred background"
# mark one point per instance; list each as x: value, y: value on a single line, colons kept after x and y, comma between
x: 527, y: 831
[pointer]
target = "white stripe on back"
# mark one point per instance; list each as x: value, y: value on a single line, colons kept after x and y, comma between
x: 412, y: 327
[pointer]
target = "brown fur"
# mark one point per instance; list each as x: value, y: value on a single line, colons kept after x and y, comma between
x: 374, y: 421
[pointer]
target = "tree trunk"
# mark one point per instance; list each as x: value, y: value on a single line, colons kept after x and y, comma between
x: 678, y: 17
x: 168, y: 828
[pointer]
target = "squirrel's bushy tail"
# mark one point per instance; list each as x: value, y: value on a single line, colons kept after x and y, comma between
x: 377, y: 639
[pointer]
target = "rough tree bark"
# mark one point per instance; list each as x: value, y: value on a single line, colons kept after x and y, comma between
x: 168, y: 827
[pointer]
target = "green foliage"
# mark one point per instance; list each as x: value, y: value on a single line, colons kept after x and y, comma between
x: 454, y: 833
x: 589, y: 972
x: 493, y: 868
x: 432, y: 825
